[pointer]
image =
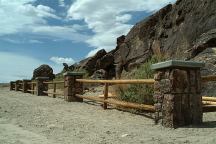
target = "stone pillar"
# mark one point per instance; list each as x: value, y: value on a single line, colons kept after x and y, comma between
x: 17, y: 85
x: 177, y: 93
x: 25, y: 85
x: 71, y: 87
x: 11, y: 85
x: 40, y: 86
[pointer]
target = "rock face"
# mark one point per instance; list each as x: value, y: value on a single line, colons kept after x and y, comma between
x: 179, y: 31
x: 89, y: 64
x: 43, y: 71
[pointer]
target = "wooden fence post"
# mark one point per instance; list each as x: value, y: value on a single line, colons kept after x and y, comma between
x: 106, y: 90
x: 54, y: 90
x: 25, y: 85
x: 71, y: 87
x: 40, y: 86
x: 177, y: 93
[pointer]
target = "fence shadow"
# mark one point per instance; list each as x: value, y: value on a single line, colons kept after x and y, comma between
x: 205, y: 124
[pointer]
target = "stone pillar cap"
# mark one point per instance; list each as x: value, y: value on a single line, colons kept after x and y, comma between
x: 73, y: 73
x: 42, y: 78
x: 177, y: 64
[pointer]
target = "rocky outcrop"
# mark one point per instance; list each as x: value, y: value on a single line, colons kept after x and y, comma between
x: 89, y: 64
x: 43, y: 71
x: 173, y: 31
x: 67, y: 67
x: 180, y: 31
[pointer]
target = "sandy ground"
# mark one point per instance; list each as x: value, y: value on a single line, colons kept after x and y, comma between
x: 29, y: 119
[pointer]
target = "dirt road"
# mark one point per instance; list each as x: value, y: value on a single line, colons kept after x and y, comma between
x: 28, y: 119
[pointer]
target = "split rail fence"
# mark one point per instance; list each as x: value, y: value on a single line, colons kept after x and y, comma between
x: 73, y: 91
x: 27, y: 86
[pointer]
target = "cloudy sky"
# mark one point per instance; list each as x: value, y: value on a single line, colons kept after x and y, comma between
x: 35, y: 32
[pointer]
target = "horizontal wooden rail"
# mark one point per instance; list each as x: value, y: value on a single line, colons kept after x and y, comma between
x: 54, y: 82
x: 205, y: 98
x: 208, y: 78
x: 209, y: 103
x: 31, y: 82
x: 149, y: 108
x: 53, y: 93
x: 141, y: 81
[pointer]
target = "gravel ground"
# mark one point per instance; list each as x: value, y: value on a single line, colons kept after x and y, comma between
x: 28, y: 119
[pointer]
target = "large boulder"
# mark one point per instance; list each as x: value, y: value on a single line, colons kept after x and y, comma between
x: 43, y: 71
x: 209, y: 57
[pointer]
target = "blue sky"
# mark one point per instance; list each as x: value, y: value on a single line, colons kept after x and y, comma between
x: 35, y: 32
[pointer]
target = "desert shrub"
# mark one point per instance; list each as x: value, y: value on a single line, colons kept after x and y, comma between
x: 139, y: 93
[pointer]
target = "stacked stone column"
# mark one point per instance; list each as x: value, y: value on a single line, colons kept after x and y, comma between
x: 177, y: 93
x: 12, y: 85
x: 17, y: 85
x: 41, y: 86
x: 25, y: 85
x: 72, y: 87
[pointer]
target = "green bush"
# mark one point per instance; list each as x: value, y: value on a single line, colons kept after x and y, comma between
x: 139, y: 93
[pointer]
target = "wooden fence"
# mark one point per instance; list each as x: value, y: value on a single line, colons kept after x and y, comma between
x: 209, y: 103
x: 73, y: 90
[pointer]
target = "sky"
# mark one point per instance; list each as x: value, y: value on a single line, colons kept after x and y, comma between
x: 35, y: 32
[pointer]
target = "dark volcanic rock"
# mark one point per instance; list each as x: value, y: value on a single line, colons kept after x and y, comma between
x: 68, y: 68
x: 105, y: 62
x: 89, y: 64
x: 43, y: 71
x: 173, y: 31
x: 99, y: 74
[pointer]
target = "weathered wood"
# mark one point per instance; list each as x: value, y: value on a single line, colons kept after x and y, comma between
x: 106, y: 88
x: 53, y: 82
x: 138, y: 81
x: 209, y: 108
x: 205, y: 98
x: 209, y: 103
x: 149, y: 108
x: 54, y: 90
x: 208, y: 78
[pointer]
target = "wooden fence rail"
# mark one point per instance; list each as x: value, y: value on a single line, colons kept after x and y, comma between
x: 209, y: 78
x: 54, y: 83
x: 137, y: 81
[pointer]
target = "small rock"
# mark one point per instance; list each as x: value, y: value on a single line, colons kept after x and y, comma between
x: 108, y: 132
x: 51, y: 126
x: 124, y: 135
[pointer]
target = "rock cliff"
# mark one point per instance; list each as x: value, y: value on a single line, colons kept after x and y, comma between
x: 184, y: 30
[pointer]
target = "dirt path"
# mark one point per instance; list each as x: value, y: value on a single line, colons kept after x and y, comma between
x: 28, y: 119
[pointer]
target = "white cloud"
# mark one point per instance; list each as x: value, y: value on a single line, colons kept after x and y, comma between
x: 60, y: 60
x: 108, y: 19
x: 20, y: 16
x: 66, y: 32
